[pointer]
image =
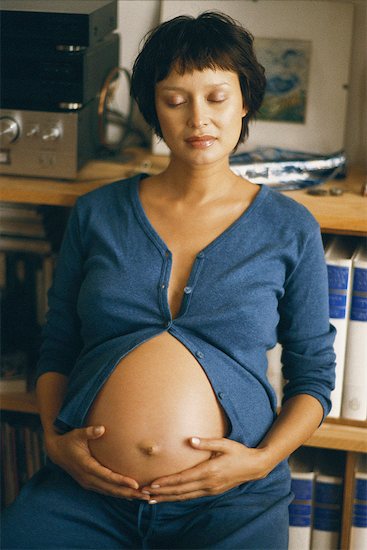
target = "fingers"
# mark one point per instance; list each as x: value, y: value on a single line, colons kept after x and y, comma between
x: 191, y: 475
x: 221, y: 472
x: 220, y: 445
x: 90, y: 473
x: 97, y: 470
x: 203, y: 479
x: 91, y: 432
x: 176, y: 498
x: 93, y: 476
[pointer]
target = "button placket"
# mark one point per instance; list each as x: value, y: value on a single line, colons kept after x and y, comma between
x: 163, y: 288
x: 189, y: 288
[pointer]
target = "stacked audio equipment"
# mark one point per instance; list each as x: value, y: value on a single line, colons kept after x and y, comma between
x: 55, y: 57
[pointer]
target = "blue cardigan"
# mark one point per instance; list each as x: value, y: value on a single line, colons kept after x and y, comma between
x: 261, y: 281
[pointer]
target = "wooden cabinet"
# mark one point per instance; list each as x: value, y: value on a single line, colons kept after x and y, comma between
x: 344, y: 214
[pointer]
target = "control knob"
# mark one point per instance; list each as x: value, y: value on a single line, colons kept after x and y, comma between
x: 51, y: 134
x: 9, y: 130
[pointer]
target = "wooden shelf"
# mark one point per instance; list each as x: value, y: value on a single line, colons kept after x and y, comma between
x: 344, y: 214
x: 336, y: 214
x: 95, y: 173
x: 19, y: 402
x: 338, y: 436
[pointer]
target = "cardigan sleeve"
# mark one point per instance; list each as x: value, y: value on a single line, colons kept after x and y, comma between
x: 61, y: 340
x: 304, y: 330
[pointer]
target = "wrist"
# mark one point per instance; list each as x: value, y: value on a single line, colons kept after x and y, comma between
x: 50, y: 435
x: 266, y: 459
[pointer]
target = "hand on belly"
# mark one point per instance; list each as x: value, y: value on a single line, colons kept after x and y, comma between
x: 154, y: 401
x: 144, y: 459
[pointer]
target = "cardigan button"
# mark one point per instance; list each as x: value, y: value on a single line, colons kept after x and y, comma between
x: 187, y: 289
x: 200, y: 354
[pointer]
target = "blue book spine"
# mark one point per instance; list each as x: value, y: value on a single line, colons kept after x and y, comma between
x: 359, y: 518
x: 358, y: 310
x: 338, y: 278
x: 328, y: 504
x: 300, y: 510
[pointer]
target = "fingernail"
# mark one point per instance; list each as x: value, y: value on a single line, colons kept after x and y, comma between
x: 195, y: 440
x: 98, y: 430
x: 155, y: 486
x: 146, y: 492
x: 152, y: 501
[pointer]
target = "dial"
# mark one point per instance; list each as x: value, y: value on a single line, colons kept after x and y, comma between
x: 52, y: 133
x: 9, y: 130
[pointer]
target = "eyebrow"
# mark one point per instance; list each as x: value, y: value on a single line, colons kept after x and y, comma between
x: 179, y: 89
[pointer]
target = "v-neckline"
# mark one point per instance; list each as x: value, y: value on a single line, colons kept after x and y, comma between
x: 159, y: 241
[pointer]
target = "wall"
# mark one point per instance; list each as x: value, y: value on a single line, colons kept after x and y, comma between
x: 136, y: 17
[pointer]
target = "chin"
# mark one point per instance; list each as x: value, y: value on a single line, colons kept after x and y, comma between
x: 200, y: 158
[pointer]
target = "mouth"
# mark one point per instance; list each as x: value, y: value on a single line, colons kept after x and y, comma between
x: 201, y: 142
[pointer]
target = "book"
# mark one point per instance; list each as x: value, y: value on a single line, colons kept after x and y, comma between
x: 20, y: 332
x: 338, y: 257
x: 23, y: 244
x: 302, y: 465
x: 274, y: 372
x: 22, y: 451
x: 22, y: 228
x: 300, y: 510
x: 327, y: 509
x: 354, y: 398
x: 13, y: 374
x: 358, y: 532
x: 20, y: 211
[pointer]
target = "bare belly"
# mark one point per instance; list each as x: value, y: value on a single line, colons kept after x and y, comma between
x: 157, y: 397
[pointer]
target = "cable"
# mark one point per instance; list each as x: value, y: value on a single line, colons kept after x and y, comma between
x: 104, y: 113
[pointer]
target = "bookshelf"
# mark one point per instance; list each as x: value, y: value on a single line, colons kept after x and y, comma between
x: 344, y: 214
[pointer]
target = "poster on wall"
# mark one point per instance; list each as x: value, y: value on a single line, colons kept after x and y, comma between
x: 305, y: 47
x: 286, y: 64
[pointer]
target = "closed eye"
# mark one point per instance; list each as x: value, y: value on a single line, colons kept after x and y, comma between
x: 173, y: 105
x: 217, y: 99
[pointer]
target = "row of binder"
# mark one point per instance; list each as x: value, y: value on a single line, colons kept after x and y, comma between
x: 315, y: 514
x: 346, y: 260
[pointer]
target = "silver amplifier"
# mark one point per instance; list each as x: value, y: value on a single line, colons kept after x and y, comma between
x: 47, y: 144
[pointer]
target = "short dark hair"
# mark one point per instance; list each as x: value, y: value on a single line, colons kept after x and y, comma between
x: 213, y: 40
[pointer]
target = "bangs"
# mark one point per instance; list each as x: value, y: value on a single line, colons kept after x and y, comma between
x: 196, y: 49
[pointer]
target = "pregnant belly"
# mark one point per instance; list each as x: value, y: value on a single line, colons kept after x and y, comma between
x: 157, y: 397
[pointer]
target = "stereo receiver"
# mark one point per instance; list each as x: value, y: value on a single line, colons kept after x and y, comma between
x: 47, y: 144
x: 55, y: 58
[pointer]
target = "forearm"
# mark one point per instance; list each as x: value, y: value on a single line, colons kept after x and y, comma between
x: 50, y: 389
x: 299, y: 418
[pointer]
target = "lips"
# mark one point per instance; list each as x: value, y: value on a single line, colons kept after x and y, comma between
x: 201, y: 141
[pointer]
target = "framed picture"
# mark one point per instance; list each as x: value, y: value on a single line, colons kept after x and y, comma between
x: 306, y: 48
x: 287, y: 64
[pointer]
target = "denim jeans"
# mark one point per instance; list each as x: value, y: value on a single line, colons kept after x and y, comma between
x: 53, y: 511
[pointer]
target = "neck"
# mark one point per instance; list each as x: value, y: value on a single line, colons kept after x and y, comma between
x: 200, y: 184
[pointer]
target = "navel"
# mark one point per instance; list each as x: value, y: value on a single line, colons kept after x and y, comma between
x: 149, y: 448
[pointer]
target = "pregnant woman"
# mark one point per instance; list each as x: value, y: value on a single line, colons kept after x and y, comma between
x: 160, y: 425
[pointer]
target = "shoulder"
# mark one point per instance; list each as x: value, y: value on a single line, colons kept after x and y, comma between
x: 111, y: 195
x: 286, y: 215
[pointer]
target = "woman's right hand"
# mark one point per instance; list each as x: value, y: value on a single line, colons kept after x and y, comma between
x: 71, y: 452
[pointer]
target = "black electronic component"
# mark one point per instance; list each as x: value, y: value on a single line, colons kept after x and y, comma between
x: 57, y: 23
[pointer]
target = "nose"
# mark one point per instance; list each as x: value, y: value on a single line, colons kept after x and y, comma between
x: 198, y: 116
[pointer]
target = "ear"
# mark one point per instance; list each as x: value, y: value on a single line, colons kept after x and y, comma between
x: 244, y: 111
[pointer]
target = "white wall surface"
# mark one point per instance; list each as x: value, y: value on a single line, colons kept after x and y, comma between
x: 136, y: 17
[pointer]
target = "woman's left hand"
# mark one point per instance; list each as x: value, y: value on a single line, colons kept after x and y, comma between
x: 231, y: 464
